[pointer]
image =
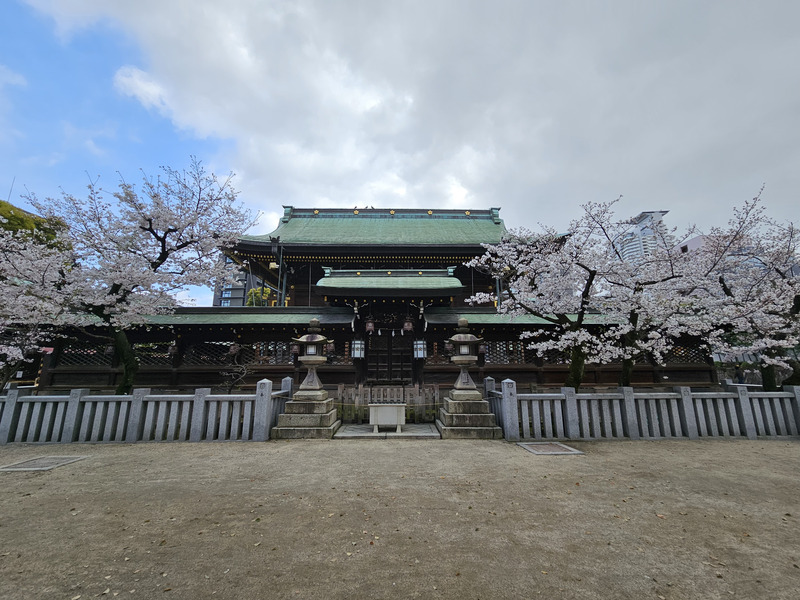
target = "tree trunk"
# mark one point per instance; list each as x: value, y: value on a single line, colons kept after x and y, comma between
x: 628, y: 340
x: 5, y: 374
x: 794, y: 378
x: 626, y: 375
x: 130, y: 365
x: 769, y: 379
x: 577, y: 364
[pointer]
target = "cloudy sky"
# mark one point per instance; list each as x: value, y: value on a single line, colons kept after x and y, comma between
x: 532, y: 106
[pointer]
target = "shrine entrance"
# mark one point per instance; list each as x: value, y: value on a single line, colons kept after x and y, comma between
x: 389, y: 359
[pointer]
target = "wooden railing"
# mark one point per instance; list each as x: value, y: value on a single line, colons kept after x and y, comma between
x: 422, y: 402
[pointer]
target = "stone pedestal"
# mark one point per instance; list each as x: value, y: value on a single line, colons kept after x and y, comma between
x: 465, y: 414
x: 310, y: 414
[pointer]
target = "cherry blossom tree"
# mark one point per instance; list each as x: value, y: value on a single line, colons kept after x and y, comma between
x: 750, y: 279
x: 648, y: 303
x: 36, y: 292
x: 602, y: 307
x: 739, y: 292
x: 136, y: 248
x: 555, y: 278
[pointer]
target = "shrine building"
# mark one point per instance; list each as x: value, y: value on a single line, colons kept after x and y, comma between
x: 388, y: 287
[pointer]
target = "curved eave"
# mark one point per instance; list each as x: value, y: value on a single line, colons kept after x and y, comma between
x: 478, y: 316
x: 293, y: 316
x: 390, y: 285
x: 381, y: 227
x: 261, y: 247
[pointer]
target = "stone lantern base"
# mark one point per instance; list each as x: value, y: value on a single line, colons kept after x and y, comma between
x: 310, y: 414
x: 466, y: 415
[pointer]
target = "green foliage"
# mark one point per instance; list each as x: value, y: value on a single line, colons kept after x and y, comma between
x: 13, y: 218
x: 258, y: 296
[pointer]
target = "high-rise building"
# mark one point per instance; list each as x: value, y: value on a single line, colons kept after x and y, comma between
x: 642, y: 238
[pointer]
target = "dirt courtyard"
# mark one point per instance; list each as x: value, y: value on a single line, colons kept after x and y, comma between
x: 403, y: 519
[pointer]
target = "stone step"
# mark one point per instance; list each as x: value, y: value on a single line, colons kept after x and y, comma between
x: 299, y: 433
x: 307, y: 420
x: 466, y: 420
x: 294, y: 407
x: 472, y: 407
x: 469, y: 433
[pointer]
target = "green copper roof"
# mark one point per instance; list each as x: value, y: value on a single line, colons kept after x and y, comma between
x: 391, y: 283
x: 478, y: 316
x: 385, y: 226
x: 396, y: 281
x: 295, y: 316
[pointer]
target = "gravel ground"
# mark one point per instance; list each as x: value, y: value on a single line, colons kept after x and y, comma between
x: 403, y: 519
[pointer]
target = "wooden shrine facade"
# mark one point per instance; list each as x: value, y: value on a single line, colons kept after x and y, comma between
x: 388, y: 287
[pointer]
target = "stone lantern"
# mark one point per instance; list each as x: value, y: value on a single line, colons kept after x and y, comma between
x: 310, y: 413
x: 313, y: 346
x: 465, y: 354
x: 465, y: 414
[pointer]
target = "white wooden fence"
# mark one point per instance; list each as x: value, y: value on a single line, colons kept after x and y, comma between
x: 142, y: 417
x: 630, y: 414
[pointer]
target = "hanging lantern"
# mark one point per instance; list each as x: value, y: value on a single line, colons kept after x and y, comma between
x: 358, y: 349
x: 369, y: 325
x: 420, y: 349
x: 408, y: 325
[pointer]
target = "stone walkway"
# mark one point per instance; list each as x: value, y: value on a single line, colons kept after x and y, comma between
x: 410, y: 431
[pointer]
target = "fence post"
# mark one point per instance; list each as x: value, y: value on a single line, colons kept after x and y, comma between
x: 133, y: 433
x: 199, y: 414
x: 744, y: 411
x: 262, y: 411
x: 286, y: 386
x: 488, y: 386
x: 571, y: 403
x: 287, y: 389
x: 510, y: 410
x: 795, y: 402
x: 10, y: 415
x: 69, y: 433
x: 686, y: 412
x: 631, y: 420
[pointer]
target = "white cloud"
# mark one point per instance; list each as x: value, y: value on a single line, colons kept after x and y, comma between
x: 532, y: 106
x: 134, y: 82
x: 92, y: 147
x: 95, y: 140
x: 8, y: 77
